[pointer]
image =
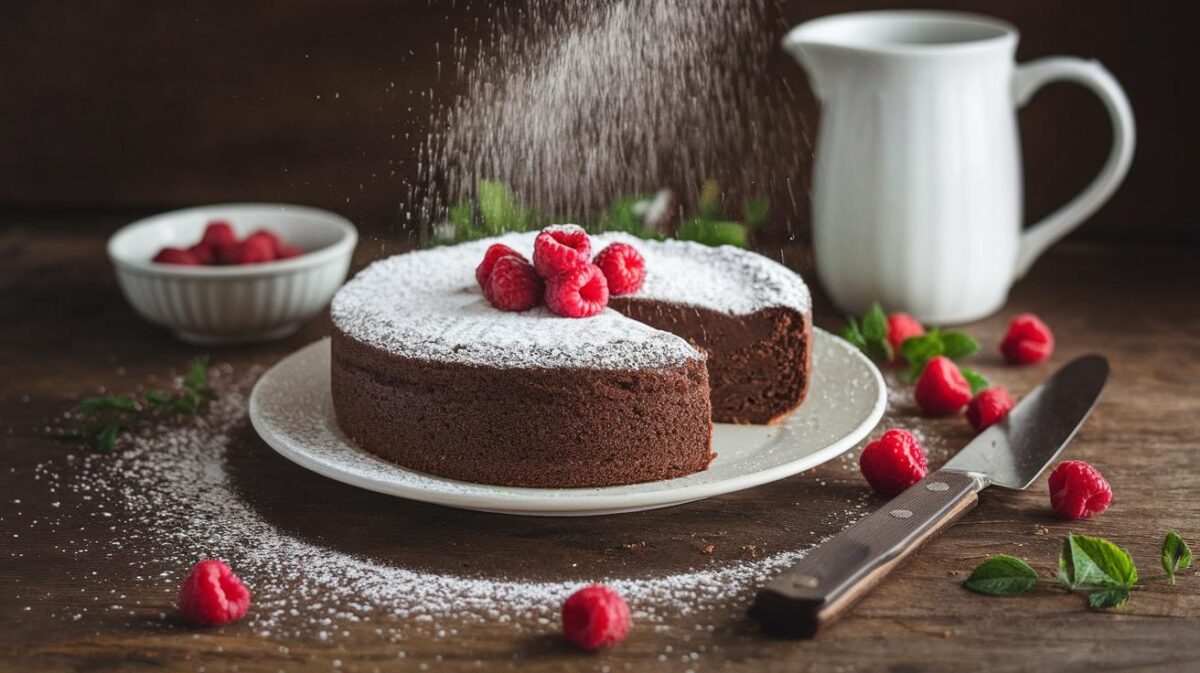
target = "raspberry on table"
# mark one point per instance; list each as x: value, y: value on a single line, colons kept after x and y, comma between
x: 494, y: 252
x: 902, y: 326
x: 176, y: 256
x: 561, y: 248
x: 893, y: 462
x: 579, y: 293
x: 942, y: 389
x: 623, y: 268
x: 513, y: 285
x: 989, y: 407
x: 1078, y: 490
x: 595, y: 616
x: 1028, y: 340
x: 212, y: 595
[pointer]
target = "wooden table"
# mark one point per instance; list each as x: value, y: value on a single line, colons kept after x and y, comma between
x: 67, y: 331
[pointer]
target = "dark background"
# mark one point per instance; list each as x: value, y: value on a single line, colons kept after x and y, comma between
x: 132, y: 107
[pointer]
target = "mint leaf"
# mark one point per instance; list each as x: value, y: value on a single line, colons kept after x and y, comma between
x: 1176, y: 555
x: 880, y: 351
x: 853, y: 334
x: 498, y: 208
x: 922, y: 348
x: 95, y: 405
x: 462, y: 216
x: 1113, y: 597
x: 708, y: 204
x: 755, y: 211
x: 622, y: 215
x: 1095, y: 562
x: 973, y: 377
x: 956, y: 345
x: 874, y: 323
x: 875, y: 330
x: 714, y: 232
x: 106, y: 439
x: 919, y: 350
x: 1001, y: 575
x: 196, y: 379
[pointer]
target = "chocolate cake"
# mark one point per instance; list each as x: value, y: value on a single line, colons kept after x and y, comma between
x: 428, y: 375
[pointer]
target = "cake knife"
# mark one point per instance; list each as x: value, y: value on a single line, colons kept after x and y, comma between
x: 1010, y: 454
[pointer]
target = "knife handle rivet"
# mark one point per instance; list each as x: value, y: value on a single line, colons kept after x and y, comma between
x: 938, y: 486
x: 901, y: 513
x: 804, y: 582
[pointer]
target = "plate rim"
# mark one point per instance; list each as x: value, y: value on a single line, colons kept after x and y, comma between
x: 532, y: 501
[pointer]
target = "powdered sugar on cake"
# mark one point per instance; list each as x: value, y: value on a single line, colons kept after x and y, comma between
x: 724, y: 279
x: 427, y: 305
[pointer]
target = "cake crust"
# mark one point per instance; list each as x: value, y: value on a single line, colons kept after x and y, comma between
x: 524, y: 427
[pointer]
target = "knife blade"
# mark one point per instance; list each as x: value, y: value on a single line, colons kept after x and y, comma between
x: 1010, y: 454
x: 1013, y: 452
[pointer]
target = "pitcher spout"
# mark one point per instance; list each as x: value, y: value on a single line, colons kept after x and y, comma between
x: 817, y: 58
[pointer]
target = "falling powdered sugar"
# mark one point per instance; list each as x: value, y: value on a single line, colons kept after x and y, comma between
x: 576, y: 103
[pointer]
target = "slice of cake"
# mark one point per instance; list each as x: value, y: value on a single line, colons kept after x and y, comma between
x: 428, y: 375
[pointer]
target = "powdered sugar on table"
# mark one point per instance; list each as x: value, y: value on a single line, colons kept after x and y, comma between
x: 174, y: 498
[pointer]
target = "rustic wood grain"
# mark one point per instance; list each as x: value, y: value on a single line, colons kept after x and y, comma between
x: 66, y: 331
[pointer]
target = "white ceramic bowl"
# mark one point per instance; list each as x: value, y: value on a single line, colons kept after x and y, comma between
x: 228, y: 304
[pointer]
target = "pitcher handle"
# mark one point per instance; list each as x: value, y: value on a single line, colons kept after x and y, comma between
x: 1028, y: 79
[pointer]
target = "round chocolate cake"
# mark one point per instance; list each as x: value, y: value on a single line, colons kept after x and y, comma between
x: 427, y: 374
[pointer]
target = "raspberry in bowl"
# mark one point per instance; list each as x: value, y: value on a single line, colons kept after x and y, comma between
x: 209, y: 287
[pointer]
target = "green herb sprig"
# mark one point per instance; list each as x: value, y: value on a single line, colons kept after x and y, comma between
x: 870, y: 336
x: 624, y: 215
x: 1093, y: 566
x: 710, y: 226
x: 101, y: 420
x: 494, y: 209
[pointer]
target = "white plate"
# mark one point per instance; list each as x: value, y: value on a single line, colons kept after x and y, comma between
x: 292, y: 409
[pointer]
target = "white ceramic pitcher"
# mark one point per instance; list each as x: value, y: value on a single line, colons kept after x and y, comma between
x: 917, y: 184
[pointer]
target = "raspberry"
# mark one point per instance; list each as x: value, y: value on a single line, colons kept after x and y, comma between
x: 942, y: 388
x: 561, y: 248
x: 204, y: 254
x: 219, y: 243
x: 285, y: 251
x: 893, y: 462
x: 1078, y: 490
x: 494, y: 253
x: 902, y: 326
x: 280, y: 248
x: 213, y: 595
x: 258, y: 247
x: 176, y: 256
x: 580, y: 293
x: 623, y: 268
x: 1028, y: 341
x: 595, y: 616
x: 989, y: 406
x: 513, y: 285
x: 217, y: 234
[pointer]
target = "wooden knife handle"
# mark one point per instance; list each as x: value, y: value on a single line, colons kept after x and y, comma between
x: 826, y: 582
